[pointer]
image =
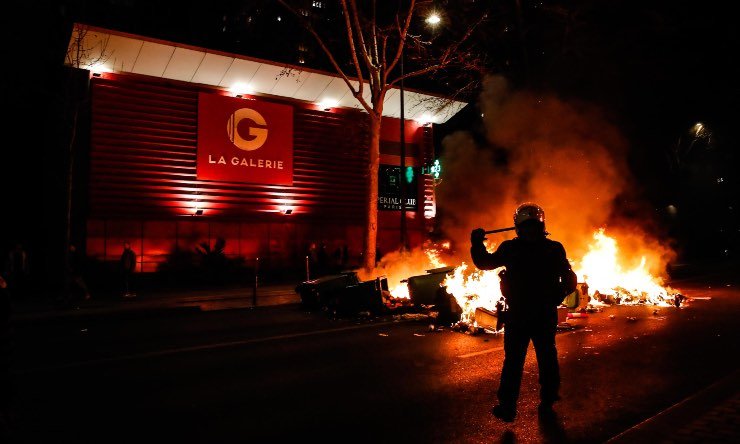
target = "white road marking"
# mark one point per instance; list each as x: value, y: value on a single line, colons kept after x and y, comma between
x: 174, y: 351
x: 490, y: 350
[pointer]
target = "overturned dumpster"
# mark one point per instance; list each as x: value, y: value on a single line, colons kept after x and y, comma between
x: 424, y: 289
x: 343, y: 294
x: 317, y: 293
x: 363, y: 297
x: 427, y: 290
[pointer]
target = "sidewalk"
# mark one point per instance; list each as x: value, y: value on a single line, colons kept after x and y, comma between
x: 710, y: 416
x: 155, y: 301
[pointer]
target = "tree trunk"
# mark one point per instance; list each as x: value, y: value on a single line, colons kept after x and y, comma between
x: 371, y: 229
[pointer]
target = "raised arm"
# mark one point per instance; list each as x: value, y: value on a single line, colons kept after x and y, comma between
x: 482, y: 258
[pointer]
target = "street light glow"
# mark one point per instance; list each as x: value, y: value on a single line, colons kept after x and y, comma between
x: 433, y: 19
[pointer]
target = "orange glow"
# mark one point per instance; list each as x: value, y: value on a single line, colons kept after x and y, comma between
x: 472, y: 289
x: 600, y: 268
x: 400, y: 265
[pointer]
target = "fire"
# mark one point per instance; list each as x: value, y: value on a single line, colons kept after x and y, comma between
x: 400, y: 291
x: 600, y: 268
x: 397, y: 266
x: 473, y: 289
x: 434, y: 259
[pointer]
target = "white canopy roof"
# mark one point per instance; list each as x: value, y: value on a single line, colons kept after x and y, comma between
x: 102, y: 50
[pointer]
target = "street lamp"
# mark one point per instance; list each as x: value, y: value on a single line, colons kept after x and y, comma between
x: 402, y: 169
x: 432, y: 20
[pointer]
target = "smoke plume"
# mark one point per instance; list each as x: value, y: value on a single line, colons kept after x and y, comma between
x: 565, y: 156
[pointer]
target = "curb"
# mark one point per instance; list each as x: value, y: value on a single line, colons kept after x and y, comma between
x: 660, y: 427
x: 148, y: 307
x: 87, y: 313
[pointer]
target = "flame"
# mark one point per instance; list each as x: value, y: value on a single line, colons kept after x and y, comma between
x: 473, y: 289
x: 434, y: 259
x: 600, y: 268
x: 398, y: 265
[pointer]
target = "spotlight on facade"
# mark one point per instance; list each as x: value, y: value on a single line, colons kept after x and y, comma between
x: 286, y: 209
x: 198, y: 212
x: 328, y: 104
x: 425, y: 119
x: 240, y: 89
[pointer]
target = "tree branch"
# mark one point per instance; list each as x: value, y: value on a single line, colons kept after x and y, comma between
x: 329, y: 54
x: 402, y: 36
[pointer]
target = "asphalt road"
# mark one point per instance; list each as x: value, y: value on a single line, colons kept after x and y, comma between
x: 278, y: 374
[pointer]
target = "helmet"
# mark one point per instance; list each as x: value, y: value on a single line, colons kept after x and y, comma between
x: 529, y: 211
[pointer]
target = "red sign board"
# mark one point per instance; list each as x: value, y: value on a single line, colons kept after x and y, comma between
x: 243, y: 140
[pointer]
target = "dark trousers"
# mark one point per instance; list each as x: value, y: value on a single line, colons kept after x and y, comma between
x: 127, y: 282
x: 517, y: 335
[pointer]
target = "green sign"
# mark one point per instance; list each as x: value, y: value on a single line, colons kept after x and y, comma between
x: 434, y: 170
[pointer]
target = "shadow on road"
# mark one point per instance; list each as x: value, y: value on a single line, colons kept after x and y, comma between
x: 508, y: 437
x: 552, y: 427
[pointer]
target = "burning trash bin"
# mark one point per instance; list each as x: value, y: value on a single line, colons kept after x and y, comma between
x: 447, y: 307
x: 427, y: 290
x: 423, y: 289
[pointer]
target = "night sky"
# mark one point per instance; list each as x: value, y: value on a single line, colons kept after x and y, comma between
x: 655, y: 67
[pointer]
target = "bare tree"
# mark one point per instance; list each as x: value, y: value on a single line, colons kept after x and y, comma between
x: 87, y: 54
x: 376, y: 37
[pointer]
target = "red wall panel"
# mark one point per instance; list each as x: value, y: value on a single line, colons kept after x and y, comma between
x: 143, y: 185
x: 144, y: 135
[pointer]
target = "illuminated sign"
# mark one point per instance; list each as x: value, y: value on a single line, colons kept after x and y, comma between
x: 434, y: 170
x: 244, y: 140
x: 389, y: 188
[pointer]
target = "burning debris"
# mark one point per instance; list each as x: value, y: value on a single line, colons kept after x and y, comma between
x: 610, y: 283
x: 470, y: 300
x: 536, y: 147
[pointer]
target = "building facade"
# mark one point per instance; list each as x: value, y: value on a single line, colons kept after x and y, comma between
x: 189, y: 147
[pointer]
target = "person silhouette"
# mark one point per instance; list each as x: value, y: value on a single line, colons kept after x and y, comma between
x: 128, y: 267
x: 537, y: 279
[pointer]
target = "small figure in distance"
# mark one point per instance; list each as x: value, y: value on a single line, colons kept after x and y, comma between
x: 128, y: 267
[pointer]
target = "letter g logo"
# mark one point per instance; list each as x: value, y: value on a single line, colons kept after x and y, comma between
x: 259, y: 134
